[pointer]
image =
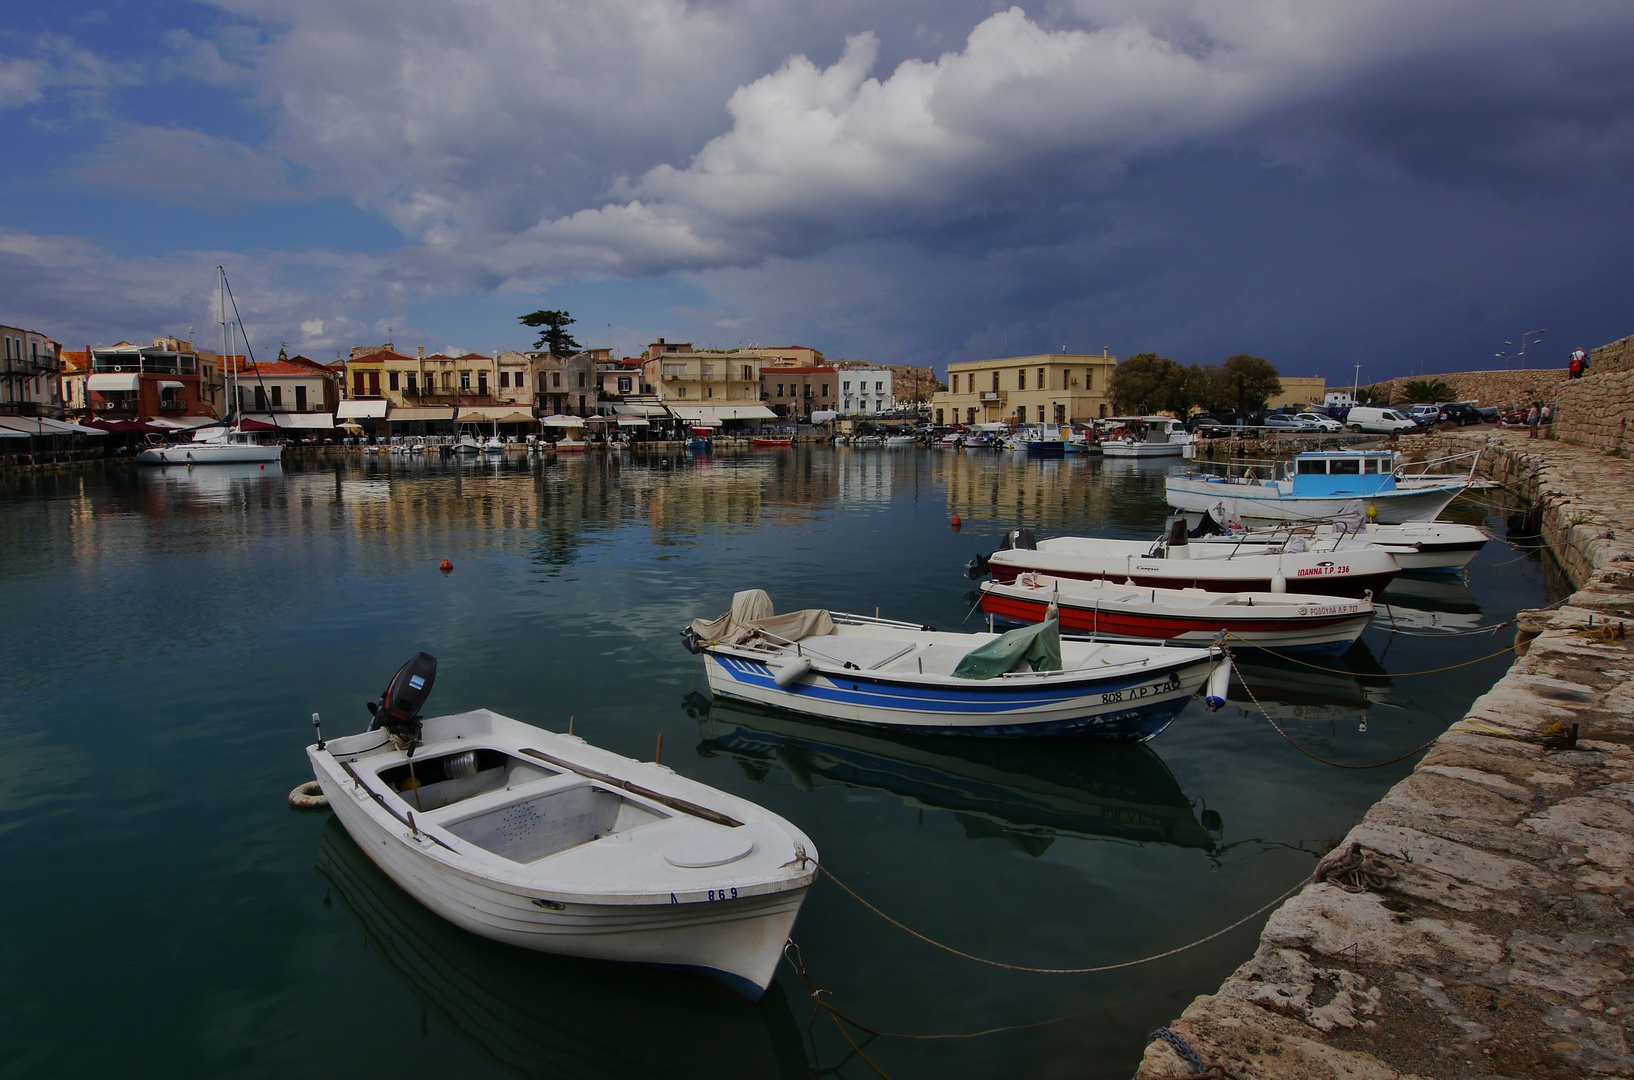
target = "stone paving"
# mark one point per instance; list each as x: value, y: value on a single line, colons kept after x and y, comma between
x: 1494, y: 937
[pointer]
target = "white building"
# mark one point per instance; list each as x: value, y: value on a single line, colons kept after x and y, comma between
x: 865, y: 392
x: 1339, y: 399
x: 30, y: 373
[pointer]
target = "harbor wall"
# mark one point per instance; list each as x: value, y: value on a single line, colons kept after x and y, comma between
x: 1595, y: 410
x: 1476, y: 922
x: 1501, y: 389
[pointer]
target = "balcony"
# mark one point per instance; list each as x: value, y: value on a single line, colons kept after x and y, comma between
x: 992, y: 397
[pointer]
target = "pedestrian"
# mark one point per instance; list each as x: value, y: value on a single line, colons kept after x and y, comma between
x: 1545, y: 416
x: 1533, y: 415
x: 1579, y: 364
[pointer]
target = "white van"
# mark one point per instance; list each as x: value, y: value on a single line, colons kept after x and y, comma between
x: 1382, y: 421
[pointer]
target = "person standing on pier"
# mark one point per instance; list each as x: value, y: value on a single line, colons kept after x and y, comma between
x: 1532, y: 417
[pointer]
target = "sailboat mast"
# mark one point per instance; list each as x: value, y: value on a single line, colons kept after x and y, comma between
x: 229, y: 383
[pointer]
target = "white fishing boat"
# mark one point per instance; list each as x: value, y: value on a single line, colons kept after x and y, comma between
x: 1285, y: 622
x: 898, y: 675
x: 1144, y: 437
x: 1173, y: 562
x: 899, y: 440
x: 226, y: 444
x: 1319, y: 486
x: 1424, y: 547
x: 540, y: 840
x: 468, y: 442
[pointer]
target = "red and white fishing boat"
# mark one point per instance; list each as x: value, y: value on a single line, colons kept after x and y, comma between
x: 762, y: 443
x: 1174, y: 563
x: 1284, y: 622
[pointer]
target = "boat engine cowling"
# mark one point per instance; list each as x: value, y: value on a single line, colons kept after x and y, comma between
x: 398, y: 710
x: 1019, y: 540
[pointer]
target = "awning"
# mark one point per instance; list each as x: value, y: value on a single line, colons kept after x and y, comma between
x: 702, y: 413
x: 638, y: 409
x: 560, y: 421
x: 361, y: 410
x: 403, y: 414
x: 517, y: 417
x: 111, y: 381
x: 634, y: 421
x: 37, y: 425
x: 306, y: 421
x: 478, y: 416
x: 195, y: 421
x: 7, y: 433
x: 166, y: 385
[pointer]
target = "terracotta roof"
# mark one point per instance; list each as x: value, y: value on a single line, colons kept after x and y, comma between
x: 380, y: 357
x: 277, y: 367
x: 75, y: 361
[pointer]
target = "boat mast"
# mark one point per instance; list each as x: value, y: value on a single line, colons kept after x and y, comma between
x: 229, y: 369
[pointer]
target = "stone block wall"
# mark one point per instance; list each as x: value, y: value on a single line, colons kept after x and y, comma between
x: 1617, y: 356
x: 1501, y: 389
x: 1596, y: 409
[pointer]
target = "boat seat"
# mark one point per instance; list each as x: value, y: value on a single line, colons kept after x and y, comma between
x: 868, y: 654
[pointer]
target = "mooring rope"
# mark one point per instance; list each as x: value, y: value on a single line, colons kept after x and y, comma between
x: 1388, y: 674
x: 1318, y: 757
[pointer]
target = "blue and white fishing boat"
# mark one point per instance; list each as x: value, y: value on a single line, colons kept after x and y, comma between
x: 898, y: 675
x: 1319, y: 485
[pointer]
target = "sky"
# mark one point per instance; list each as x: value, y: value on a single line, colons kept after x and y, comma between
x: 1391, y: 184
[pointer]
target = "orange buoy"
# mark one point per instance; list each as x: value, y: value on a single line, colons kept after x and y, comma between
x: 956, y: 523
x: 263, y: 468
x: 446, y: 566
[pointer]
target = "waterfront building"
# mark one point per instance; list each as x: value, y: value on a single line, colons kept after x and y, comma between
x: 1300, y: 390
x: 169, y: 380
x: 1054, y: 388
x: 785, y: 355
x: 795, y: 392
x: 30, y: 374
x: 707, y: 387
x: 865, y: 391
x: 292, y: 393
x: 76, y: 366
x: 568, y: 385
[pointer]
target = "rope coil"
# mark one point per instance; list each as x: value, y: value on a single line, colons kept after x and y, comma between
x: 1355, y: 870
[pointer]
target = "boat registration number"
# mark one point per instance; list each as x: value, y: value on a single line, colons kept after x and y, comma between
x: 1135, y: 693
x: 1324, y: 568
x: 713, y: 894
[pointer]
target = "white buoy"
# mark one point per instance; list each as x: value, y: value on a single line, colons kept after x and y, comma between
x: 1278, y: 582
x: 792, y: 672
x: 1219, y: 681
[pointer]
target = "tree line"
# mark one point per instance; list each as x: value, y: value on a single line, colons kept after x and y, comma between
x: 1148, y: 383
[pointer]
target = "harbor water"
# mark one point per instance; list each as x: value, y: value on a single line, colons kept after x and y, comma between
x: 169, y: 634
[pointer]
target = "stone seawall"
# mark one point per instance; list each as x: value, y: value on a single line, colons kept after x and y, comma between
x: 1500, y: 389
x: 1492, y: 939
x: 1595, y: 410
x: 1617, y: 356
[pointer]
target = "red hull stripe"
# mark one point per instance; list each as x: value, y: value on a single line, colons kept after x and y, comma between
x: 1325, y: 585
x: 1149, y: 626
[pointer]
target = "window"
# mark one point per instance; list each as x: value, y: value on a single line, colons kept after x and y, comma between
x: 845, y: 387
x: 581, y: 380
x: 1344, y: 467
x: 448, y: 381
x: 374, y: 384
x: 1313, y: 467
x: 706, y: 371
x: 504, y: 380
x: 1041, y: 414
x: 709, y: 391
x: 482, y: 382
x: 260, y: 399
x: 1043, y: 384
x: 938, y: 417
x: 465, y: 379
x: 391, y: 379
x: 748, y: 373
x: 808, y: 389
x: 1021, y: 379
x: 779, y: 389
x: 357, y: 384
x: 995, y: 382
x: 970, y: 415
x: 879, y: 387
x: 680, y: 391
x: 277, y: 397
x: 413, y: 385
x: 624, y: 384
x: 825, y: 390
x: 300, y: 398
x: 556, y: 380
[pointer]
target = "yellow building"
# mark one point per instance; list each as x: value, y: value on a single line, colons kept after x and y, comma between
x: 1054, y: 388
x: 1300, y: 390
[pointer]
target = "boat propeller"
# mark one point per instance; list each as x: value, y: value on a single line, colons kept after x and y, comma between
x: 398, y: 710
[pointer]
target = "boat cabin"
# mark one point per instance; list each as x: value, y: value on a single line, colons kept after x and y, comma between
x: 1327, y: 474
x: 1148, y: 429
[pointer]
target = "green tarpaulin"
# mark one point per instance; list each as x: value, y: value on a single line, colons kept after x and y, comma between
x: 1038, y: 645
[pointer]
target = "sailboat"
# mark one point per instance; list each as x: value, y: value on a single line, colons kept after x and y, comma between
x: 227, y: 445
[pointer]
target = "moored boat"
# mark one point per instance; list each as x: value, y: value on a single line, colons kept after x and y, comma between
x: 761, y: 442
x: 1425, y: 547
x: 1285, y: 622
x: 1320, y: 485
x: 1144, y: 437
x: 539, y: 840
x: 1174, y: 562
x: 885, y: 673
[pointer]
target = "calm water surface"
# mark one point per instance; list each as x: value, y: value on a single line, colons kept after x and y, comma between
x: 168, y: 634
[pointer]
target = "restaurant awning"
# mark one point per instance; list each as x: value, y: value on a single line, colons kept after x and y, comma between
x: 515, y: 417
x: 167, y: 385
x: 634, y: 421
x: 477, y: 416
x: 361, y: 410
x: 404, y: 414
x: 37, y: 425
x: 639, y: 409
x: 305, y: 421
x: 695, y: 414
x: 112, y: 381
x: 7, y: 433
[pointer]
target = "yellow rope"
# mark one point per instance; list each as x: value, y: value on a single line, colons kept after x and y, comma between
x: 1342, y: 671
x: 1057, y: 971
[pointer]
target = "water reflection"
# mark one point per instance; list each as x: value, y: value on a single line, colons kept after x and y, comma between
x: 1027, y: 793
x: 1430, y: 602
x: 1328, y: 691
x: 546, y: 1016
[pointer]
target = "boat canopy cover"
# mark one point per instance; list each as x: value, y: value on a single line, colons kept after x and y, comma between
x: 752, y: 614
x: 1038, y: 645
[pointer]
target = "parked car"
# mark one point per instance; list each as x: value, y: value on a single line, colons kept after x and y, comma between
x: 1460, y: 413
x: 1320, y: 422
x: 1424, y: 412
x: 1379, y: 421
x: 1284, y: 422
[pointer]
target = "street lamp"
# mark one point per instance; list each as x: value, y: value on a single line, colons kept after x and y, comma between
x: 1529, y: 338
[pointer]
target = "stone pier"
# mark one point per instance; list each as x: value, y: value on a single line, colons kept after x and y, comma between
x: 1493, y: 936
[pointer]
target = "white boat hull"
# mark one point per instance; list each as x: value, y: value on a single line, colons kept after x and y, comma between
x: 1423, y: 547
x: 713, y: 920
x: 1267, y: 502
x: 209, y: 453
x: 1121, y: 449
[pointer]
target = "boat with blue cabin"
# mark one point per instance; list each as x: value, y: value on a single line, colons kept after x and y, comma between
x: 1316, y: 486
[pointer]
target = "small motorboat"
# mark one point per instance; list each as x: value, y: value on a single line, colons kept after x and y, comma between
x: 899, y: 675
x: 1144, y: 437
x: 1284, y: 622
x: 1320, y: 485
x: 1424, y: 547
x: 468, y: 443
x: 540, y: 840
x: 765, y: 443
x: 899, y: 440
x: 1173, y: 562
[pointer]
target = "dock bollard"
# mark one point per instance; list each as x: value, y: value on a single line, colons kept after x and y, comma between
x: 658, y: 754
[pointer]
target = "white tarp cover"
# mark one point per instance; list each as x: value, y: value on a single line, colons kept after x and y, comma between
x: 112, y: 381
x: 561, y: 421
x: 296, y: 420
x: 752, y: 614
x: 704, y: 413
x: 361, y: 410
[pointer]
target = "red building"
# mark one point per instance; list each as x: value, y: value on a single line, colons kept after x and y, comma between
x: 168, y: 380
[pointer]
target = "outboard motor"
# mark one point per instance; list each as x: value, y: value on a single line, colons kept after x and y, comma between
x: 1207, y: 527
x: 398, y: 710
x: 976, y: 568
x: 1019, y: 540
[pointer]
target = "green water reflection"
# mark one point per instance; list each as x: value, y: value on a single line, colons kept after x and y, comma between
x: 170, y: 633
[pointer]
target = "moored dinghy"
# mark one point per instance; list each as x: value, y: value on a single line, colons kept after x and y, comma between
x: 884, y: 673
x: 539, y: 840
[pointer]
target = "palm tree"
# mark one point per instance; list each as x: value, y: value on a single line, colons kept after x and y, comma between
x: 1429, y: 391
